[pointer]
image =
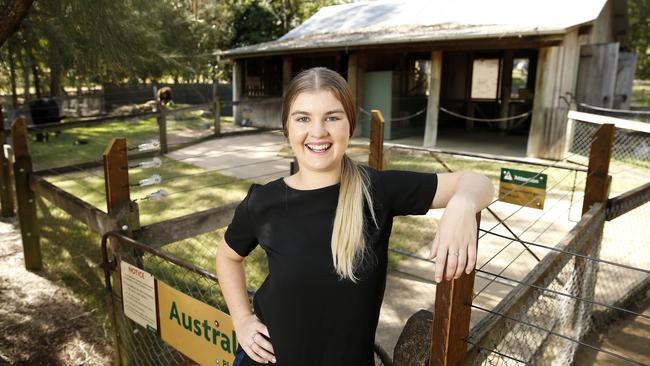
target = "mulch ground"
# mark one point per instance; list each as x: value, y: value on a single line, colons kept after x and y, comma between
x: 41, y: 322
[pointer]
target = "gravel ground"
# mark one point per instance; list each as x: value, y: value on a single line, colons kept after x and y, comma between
x: 41, y: 322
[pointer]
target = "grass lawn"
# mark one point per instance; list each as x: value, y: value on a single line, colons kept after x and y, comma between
x: 62, y: 149
x: 641, y: 94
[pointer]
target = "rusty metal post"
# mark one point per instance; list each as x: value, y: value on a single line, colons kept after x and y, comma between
x: 6, y: 192
x: 376, y: 158
x: 451, y: 318
x: 25, y: 197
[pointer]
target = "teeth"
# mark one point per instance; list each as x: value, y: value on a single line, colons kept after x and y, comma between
x: 319, y: 147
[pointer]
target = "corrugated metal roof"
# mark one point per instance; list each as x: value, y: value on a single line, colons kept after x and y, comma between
x: 409, y: 21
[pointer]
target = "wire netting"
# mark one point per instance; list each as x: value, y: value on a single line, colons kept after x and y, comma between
x: 587, y: 286
x: 139, y: 346
x: 522, y: 333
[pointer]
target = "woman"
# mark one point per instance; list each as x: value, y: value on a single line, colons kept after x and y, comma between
x: 325, y: 231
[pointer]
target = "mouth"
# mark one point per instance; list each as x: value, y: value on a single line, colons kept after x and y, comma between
x: 319, y: 148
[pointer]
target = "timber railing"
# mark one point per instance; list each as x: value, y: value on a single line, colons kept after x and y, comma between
x: 560, y: 290
x: 578, y: 285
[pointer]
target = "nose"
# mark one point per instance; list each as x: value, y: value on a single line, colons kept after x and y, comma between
x: 317, y: 129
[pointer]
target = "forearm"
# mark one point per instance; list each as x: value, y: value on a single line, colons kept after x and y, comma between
x: 474, y: 189
x: 232, y: 281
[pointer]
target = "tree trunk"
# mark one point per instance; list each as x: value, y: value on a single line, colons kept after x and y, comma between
x: 26, y: 67
x: 35, y: 73
x: 55, y: 75
x: 12, y: 76
x: 11, y: 16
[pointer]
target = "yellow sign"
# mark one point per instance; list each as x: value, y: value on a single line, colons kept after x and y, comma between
x: 199, y: 331
x: 522, y: 188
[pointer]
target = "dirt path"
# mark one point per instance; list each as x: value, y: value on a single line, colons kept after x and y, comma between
x: 42, y: 323
x: 629, y: 337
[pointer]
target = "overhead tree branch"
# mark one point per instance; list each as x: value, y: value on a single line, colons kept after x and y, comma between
x: 10, y: 17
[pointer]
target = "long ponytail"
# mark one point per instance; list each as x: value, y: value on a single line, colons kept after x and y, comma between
x: 348, y: 236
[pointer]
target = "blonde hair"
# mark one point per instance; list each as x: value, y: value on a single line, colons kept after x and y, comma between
x: 348, y: 243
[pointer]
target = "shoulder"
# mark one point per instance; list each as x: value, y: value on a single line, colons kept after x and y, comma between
x: 392, y: 178
x: 261, y: 196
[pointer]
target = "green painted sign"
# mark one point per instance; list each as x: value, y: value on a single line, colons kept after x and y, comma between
x: 522, y: 188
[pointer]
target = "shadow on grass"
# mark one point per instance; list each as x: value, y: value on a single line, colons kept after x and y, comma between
x: 71, y: 254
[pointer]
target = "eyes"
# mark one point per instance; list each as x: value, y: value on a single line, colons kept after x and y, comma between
x: 328, y: 118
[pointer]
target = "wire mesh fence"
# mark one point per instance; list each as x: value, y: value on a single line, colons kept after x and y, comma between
x: 576, y: 291
x: 522, y: 333
x: 141, y: 346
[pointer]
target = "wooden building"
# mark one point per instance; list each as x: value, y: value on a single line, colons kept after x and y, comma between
x: 506, y: 67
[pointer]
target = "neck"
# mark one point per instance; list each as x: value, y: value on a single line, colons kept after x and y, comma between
x: 309, y: 179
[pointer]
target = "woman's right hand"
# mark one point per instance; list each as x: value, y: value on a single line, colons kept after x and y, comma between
x: 250, y: 331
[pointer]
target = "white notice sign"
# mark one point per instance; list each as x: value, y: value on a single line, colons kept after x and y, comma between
x: 138, y: 295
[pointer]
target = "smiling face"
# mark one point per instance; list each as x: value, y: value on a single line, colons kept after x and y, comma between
x: 318, y: 130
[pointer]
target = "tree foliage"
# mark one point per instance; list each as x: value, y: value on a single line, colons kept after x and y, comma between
x: 73, y: 42
x: 639, y: 13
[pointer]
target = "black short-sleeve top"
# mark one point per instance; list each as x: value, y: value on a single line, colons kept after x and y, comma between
x: 313, y: 316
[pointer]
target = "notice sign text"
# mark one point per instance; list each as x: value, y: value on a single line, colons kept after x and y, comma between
x: 138, y: 295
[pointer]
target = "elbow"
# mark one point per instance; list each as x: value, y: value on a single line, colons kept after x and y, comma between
x: 489, y: 189
x: 484, y: 189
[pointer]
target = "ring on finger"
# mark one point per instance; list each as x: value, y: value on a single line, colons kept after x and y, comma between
x: 456, y: 254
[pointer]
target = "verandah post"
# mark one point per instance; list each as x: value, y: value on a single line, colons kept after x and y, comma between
x: 25, y: 197
x: 451, y: 318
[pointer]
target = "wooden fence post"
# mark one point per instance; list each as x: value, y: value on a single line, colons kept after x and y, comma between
x: 293, y: 166
x: 118, y: 199
x: 596, y: 190
x: 26, y: 203
x: 116, y: 181
x: 217, y: 109
x: 161, y: 118
x: 126, y: 213
x: 598, y: 179
x: 451, y: 318
x: 376, y: 158
x: 6, y: 194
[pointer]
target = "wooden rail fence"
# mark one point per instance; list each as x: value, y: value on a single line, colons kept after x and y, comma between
x: 445, y: 334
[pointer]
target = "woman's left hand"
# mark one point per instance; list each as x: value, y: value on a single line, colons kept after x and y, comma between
x: 454, y: 246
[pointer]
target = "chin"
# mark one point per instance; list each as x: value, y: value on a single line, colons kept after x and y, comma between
x: 320, y: 164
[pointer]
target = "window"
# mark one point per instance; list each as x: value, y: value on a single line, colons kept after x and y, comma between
x: 519, y: 78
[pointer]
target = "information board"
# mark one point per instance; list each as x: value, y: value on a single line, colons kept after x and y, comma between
x: 522, y: 188
x: 139, y: 295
